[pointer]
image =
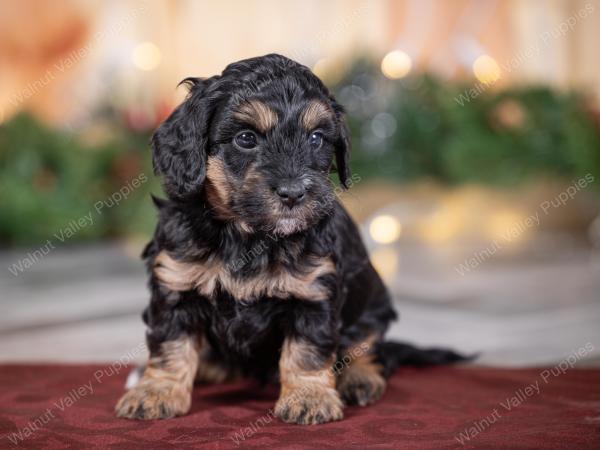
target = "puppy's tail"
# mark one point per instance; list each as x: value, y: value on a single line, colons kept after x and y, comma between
x: 392, y: 355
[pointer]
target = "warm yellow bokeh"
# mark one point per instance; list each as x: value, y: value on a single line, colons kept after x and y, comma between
x: 486, y: 69
x: 396, y: 64
x: 509, y: 226
x: 385, y: 229
x: 146, y: 56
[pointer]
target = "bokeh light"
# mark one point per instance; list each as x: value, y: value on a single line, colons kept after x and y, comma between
x: 507, y: 225
x: 146, y: 56
x: 385, y: 229
x: 384, y: 125
x: 396, y: 64
x: 443, y: 225
x: 486, y: 69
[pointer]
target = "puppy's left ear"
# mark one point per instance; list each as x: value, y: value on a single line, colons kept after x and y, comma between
x: 342, y: 150
x: 180, y: 144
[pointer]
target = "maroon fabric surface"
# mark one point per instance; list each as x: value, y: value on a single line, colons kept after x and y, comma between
x: 72, y: 407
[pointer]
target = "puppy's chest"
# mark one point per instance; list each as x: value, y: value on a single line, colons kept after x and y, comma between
x: 209, y: 277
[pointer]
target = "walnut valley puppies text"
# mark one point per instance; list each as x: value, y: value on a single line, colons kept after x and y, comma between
x: 523, y: 394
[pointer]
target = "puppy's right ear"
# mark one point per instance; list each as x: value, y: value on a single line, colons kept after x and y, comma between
x: 180, y: 144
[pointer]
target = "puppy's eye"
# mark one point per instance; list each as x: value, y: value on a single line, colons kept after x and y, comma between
x: 315, y: 140
x: 246, y: 140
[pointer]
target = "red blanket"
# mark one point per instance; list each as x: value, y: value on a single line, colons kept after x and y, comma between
x: 53, y: 406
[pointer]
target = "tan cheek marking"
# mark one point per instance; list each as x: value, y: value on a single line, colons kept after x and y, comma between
x: 218, y: 193
x: 256, y: 113
x: 315, y: 113
x: 183, y: 276
x: 218, y: 188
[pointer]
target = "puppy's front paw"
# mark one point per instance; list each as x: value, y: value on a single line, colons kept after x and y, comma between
x: 308, y: 406
x: 148, y: 401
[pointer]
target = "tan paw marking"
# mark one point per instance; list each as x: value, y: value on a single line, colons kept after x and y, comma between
x: 310, y: 406
x: 146, y: 401
x: 308, y: 394
x: 165, y: 389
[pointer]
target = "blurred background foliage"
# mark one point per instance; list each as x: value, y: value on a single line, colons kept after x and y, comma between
x: 423, y: 127
x: 49, y: 178
x: 404, y: 130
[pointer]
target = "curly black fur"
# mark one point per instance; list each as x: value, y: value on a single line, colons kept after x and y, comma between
x: 246, y: 335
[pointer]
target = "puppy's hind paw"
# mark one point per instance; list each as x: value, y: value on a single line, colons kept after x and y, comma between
x: 361, y: 387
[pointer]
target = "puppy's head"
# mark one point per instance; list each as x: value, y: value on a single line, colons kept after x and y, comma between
x: 257, y: 143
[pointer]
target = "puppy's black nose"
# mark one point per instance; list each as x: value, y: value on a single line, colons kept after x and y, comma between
x: 291, y: 194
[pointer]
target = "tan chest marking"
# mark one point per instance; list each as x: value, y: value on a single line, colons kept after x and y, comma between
x: 183, y: 276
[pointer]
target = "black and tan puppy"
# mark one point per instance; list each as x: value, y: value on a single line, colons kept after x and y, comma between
x: 255, y: 267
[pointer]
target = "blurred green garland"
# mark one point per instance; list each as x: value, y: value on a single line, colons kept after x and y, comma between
x: 425, y: 127
x: 49, y: 178
x: 402, y: 130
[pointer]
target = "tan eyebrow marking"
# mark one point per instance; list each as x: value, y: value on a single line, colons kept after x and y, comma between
x: 258, y: 114
x: 314, y: 114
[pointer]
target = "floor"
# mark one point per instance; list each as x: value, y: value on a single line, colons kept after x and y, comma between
x: 448, y: 407
x: 83, y: 304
